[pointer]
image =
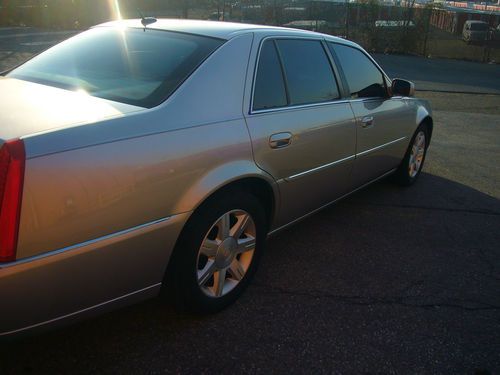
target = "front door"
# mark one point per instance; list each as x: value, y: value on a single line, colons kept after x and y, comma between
x: 382, y: 122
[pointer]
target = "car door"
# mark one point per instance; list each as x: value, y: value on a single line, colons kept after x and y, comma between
x: 382, y: 122
x: 302, y: 132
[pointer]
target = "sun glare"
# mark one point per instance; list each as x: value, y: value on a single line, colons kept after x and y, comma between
x: 115, y: 9
x: 117, y: 15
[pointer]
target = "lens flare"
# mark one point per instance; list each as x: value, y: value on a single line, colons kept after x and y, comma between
x: 114, y: 6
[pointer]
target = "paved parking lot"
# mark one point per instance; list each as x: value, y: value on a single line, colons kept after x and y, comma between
x: 390, y: 280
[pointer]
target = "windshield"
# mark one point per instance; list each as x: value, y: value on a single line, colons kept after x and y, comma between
x: 131, y: 66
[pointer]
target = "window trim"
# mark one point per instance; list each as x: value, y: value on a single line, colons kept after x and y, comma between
x: 335, y: 73
x: 386, y: 79
x: 299, y: 106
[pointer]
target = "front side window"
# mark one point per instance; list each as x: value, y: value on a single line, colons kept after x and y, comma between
x: 308, y: 72
x: 363, y: 78
x: 126, y: 65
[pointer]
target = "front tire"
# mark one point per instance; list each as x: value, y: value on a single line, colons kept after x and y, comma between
x: 413, y: 161
x: 217, y: 253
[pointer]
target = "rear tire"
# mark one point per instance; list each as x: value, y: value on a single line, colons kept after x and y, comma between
x: 413, y: 161
x: 217, y: 253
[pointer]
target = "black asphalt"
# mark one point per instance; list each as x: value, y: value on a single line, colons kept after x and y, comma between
x: 389, y: 280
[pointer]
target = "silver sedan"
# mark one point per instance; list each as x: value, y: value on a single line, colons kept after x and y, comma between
x: 149, y: 155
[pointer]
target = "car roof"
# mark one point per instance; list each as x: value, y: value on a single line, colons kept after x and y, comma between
x: 214, y: 29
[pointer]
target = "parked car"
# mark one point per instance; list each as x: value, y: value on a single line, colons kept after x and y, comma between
x: 158, y: 155
x: 475, y: 31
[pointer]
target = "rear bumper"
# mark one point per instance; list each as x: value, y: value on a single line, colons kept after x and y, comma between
x: 80, y: 280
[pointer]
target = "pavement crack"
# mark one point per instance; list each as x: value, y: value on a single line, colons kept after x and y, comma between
x: 462, y: 304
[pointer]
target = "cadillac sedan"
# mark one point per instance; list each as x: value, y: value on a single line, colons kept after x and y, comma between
x: 150, y: 155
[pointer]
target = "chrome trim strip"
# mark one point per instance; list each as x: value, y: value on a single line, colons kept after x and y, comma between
x: 293, y: 177
x: 83, y: 244
x: 79, y: 311
x: 381, y: 146
x: 367, y: 100
x: 274, y: 231
x: 301, y: 106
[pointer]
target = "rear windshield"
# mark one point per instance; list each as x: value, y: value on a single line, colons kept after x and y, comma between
x: 478, y: 26
x: 131, y: 66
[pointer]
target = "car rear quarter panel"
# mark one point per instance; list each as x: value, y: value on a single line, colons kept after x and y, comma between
x: 83, y: 194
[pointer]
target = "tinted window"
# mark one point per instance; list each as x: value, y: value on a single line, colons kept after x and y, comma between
x: 125, y: 65
x: 308, y: 71
x: 363, y: 77
x: 269, y: 86
x: 479, y: 27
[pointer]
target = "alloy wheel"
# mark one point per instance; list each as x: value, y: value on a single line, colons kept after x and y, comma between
x: 417, y: 154
x: 226, y: 253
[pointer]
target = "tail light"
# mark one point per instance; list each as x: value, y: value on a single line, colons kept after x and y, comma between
x: 12, y: 161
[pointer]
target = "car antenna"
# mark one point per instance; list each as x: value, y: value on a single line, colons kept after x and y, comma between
x: 146, y: 20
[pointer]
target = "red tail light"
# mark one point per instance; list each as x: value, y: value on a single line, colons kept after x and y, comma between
x: 12, y: 161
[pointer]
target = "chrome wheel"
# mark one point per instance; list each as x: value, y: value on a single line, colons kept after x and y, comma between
x: 226, y: 253
x: 417, y: 154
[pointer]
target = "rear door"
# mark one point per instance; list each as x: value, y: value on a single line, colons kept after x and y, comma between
x: 302, y: 132
x: 382, y: 122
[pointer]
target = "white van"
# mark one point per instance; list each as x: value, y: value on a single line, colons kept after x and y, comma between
x: 475, y: 31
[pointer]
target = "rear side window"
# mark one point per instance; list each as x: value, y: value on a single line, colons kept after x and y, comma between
x: 130, y: 66
x: 270, y: 89
x: 364, y: 79
x: 308, y: 71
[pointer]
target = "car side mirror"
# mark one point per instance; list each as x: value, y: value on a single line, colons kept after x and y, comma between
x: 402, y: 87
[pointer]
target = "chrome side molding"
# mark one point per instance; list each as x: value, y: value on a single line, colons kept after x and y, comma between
x: 108, y: 237
x: 321, y: 167
x: 381, y: 146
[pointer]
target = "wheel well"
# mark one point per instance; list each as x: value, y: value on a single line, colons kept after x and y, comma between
x: 254, y: 185
x: 257, y: 187
x: 430, y: 125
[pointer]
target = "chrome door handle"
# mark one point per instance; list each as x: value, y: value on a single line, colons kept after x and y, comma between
x: 280, y: 140
x: 367, y: 121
